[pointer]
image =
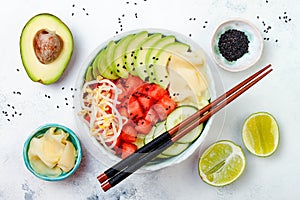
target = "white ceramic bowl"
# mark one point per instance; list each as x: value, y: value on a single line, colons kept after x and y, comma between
x: 97, y: 150
x: 255, y: 45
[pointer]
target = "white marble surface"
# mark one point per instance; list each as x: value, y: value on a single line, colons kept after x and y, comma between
x: 276, y: 177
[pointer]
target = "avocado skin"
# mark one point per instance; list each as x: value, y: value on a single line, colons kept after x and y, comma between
x: 64, y: 63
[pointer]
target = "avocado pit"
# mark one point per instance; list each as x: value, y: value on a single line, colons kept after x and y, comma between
x: 47, y: 46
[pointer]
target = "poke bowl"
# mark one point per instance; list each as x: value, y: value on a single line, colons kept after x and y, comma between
x: 137, y: 85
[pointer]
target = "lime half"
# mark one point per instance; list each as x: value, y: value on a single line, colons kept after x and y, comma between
x: 221, y: 163
x: 261, y: 134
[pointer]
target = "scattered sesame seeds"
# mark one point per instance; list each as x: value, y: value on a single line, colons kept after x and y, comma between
x: 10, y: 112
x: 84, y: 10
x: 285, y: 17
x: 192, y: 18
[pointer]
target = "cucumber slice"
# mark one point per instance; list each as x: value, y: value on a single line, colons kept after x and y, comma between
x: 175, y: 149
x: 149, y: 136
x: 160, y: 129
x: 139, y: 140
x: 180, y: 114
x: 162, y: 156
x: 156, y: 131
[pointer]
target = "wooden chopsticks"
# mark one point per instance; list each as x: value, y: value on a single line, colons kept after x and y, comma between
x: 129, y: 165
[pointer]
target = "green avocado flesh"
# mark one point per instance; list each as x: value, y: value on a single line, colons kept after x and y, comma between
x: 48, y: 68
x: 142, y: 54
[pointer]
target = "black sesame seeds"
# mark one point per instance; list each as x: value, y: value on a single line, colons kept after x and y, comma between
x: 233, y: 44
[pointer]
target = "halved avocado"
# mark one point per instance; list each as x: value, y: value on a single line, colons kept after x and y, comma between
x: 46, y: 47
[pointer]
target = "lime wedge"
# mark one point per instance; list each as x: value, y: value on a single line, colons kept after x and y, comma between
x: 221, y: 163
x: 261, y: 134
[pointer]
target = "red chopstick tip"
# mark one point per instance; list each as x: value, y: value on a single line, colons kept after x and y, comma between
x: 102, y: 177
x: 106, y: 186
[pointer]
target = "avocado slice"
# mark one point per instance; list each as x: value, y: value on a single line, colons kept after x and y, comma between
x: 140, y: 61
x: 131, y: 48
x: 95, y: 70
x: 119, y: 60
x: 105, y: 62
x: 46, y: 47
x: 151, y: 54
x: 160, y: 73
x: 89, y: 74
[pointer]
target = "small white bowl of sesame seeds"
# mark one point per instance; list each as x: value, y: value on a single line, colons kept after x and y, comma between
x: 236, y: 45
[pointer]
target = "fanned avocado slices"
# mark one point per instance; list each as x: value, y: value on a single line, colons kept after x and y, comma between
x: 142, y: 54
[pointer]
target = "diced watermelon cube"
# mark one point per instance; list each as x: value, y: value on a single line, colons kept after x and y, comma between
x: 143, y: 126
x: 164, y: 107
x: 161, y: 111
x: 132, y: 82
x: 118, y: 146
x: 123, y: 111
x: 128, y: 149
x: 146, y: 102
x: 156, y: 91
x: 135, y: 110
x: 123, y: 93
x: 128, y: 134
x: 152, y: 116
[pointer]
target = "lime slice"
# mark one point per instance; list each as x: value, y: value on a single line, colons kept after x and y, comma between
x: 261, y: 134
x: 221, y: 163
